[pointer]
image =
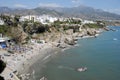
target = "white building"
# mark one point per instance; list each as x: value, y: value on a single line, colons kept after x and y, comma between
x: 87, y: 22
x: 28, y: 17
x: 44, y: 19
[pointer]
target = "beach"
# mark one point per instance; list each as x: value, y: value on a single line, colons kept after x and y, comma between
x: 18, y: 64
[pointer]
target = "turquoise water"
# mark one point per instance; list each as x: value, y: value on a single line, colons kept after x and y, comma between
x: 100, y: 55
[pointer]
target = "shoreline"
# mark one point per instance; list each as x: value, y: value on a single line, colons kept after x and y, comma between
x: 20, y: 63
x: 47, y: 56
x: 26, y: 60
x: 42, y: 55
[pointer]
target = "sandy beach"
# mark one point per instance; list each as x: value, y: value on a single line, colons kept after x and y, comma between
x: 20, y: 63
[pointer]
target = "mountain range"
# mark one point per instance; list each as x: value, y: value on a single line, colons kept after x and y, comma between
x: 83, y: 12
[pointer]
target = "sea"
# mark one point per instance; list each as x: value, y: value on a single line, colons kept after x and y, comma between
x: 101, y: 56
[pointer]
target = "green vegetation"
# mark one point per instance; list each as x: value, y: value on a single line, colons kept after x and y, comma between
x: 68, y: 21
x: 67, y: 24
x: 74, y: 21
x: 19, y: 30
x: 91, y: 25
x: 23, y: 31
x: 10, y: 21
x: 4, y: 29
x: 33, y: 27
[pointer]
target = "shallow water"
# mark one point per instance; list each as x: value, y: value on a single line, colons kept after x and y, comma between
x: 100, y: 55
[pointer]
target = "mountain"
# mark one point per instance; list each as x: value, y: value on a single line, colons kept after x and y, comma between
x: 84, y: 12
x: 36, y: 11
x: 5, y: 9
x: 41, y: 11
x: 87, y: 13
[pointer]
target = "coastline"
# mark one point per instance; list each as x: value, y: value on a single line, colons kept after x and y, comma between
x: 27, y: 59
x: 27, y: 73
x: 42, y: 55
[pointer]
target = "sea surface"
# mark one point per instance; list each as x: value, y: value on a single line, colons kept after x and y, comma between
x: 100, y: 55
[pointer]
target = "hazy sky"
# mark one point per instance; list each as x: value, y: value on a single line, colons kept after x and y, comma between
x: 108, y: 5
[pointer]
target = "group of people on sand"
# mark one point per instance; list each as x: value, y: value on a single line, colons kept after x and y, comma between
x: 17, y: 49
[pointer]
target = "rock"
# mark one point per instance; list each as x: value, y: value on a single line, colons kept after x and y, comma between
x: 91, y: 32
x: 70, y: 41
x: 107, y: 29
x: 35, y: 36
x: 62, y: 45
x: 18, y: 34
x: 69, y: 32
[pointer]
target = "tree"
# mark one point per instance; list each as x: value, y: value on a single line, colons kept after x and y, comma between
x: 7, y: 19
x: 16, y: 20
x: 10, y: 21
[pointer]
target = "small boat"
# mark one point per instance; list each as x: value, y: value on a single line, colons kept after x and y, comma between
x: 82, y: 69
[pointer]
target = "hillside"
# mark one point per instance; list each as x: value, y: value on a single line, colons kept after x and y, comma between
x: 80, y: 11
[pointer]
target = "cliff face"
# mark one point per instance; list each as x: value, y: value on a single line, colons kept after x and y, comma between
x: 65, y: 38
x: 18, y: 34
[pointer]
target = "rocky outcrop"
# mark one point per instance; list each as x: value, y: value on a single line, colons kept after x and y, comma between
x: 62, y: 45
x: 69, y: 41
x: 91, y: 33
x: 18, y: 34
x: 107, y: 29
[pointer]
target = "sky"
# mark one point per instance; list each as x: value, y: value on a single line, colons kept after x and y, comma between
x: 107, y: 5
